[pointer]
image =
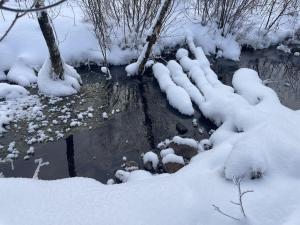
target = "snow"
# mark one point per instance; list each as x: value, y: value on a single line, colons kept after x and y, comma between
x: 30, y: 151
x: 185, y: 141
x: 284, y: 48
x: 134, y: 176
x: 9, y: 91
x: 48, y: 85
x: 166, y: 151
x: 18, y: 107
x: 257, y: 137
x: 177, y: 96
x: 133, y: 68
x: 151, y: 157
x: 173, y: 158
x: 2, y: 76
x: 182, y: 80
x: 104, y: 115
x: 253, y: 137
x: 21, y: 74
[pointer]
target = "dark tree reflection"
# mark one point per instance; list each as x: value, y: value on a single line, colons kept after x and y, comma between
x: 70, y: 156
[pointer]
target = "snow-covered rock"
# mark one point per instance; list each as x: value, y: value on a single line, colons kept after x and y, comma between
x: 136, y: 175
x: 150, y: 160
x: 185, y: 147
x: 166, y: 151
x: 172, y: 163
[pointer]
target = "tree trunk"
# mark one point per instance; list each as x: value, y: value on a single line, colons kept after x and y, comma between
x: 151, y: 39
x: 46, y: 28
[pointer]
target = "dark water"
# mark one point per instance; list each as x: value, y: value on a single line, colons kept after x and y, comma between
x: 145, y: 118
x: 280, y: 70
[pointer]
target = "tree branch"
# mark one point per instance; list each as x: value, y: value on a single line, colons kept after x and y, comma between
x: 30, y: 9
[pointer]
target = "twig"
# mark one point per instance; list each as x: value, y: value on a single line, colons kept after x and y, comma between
x: 223, y: 213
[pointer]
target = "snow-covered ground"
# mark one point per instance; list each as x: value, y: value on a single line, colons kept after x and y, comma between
x: 257, y: 140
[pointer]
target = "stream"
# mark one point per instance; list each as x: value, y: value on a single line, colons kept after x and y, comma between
x: 144, y: 118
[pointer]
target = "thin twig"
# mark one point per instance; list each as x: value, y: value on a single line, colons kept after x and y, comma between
x: 223, y: 213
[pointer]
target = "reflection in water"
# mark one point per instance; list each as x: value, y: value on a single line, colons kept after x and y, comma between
x: 278, y: 70
x: 70, y: 156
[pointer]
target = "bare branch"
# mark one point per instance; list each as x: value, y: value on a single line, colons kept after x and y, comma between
x: 30, y: 9
x: 224, y: 214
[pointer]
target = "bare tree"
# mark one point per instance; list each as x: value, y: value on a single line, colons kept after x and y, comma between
x: 20, y: 12
x: 138, y: 67
x: 273, y: 10
x: 46, y: 28
x: 96, y: 11
x: 109, y: 18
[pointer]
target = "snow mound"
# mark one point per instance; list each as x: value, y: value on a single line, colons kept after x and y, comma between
x: 254, y: 126
x: 136, y: 175
x: 151, y: 157
x: 132, y: 69
x: 9, y: 92
x: 166, y: 151
x: 172, y: 158
x: 181, y: 79
x: 185, y: 141
x: 177, y: 96
x: 69, y: 86
x: 21, y: 74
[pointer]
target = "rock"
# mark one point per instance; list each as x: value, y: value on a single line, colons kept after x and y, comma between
x: 131, y: 166
x: 205, y: 144
x: 148, y: 166
x: 172, y: 167
x: 186, y: 151
x: 295, y: 49
x: 181, y: 128
x: 256, y: 174
x: 150, y: 160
